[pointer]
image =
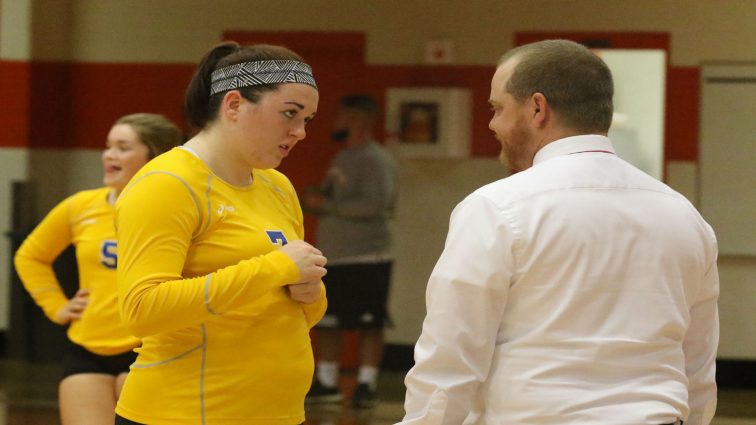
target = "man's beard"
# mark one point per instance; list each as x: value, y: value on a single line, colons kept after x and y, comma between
x: 515, y: 152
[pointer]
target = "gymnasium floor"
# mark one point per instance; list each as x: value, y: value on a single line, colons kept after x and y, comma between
x: 28, y: 397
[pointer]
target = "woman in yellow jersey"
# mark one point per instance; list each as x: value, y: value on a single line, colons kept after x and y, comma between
x: 100, y: 352
x: 213, y: 272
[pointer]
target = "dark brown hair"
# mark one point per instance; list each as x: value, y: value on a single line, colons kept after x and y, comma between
x: 199, y: 107
x: 363, y: 103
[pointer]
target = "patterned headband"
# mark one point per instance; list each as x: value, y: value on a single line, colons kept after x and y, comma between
x: 257, y: 73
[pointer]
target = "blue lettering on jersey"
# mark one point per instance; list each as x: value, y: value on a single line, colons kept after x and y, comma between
x: 277, y: 237
x: 108, y: 257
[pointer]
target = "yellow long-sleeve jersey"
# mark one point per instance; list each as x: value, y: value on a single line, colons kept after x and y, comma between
x: 86, y: 221
x: 201, y: 279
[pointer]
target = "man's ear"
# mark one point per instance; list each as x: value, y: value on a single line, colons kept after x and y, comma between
x: 540, y: 109
x: 231, y: 104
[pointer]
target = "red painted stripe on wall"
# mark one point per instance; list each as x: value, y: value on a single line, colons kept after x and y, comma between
x: 75, y: 104
x: 683, y: 109
x: 14, y: 104
x: 51, y: 104
x: 609, y: 39
x: 72, y: 105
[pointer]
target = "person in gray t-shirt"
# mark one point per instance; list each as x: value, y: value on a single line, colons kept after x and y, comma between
x: 353, y: 205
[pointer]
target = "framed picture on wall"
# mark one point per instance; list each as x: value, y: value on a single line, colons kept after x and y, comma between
x: 428, y: 122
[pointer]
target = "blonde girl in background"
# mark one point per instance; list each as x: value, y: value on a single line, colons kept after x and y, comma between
x: 100, y: 351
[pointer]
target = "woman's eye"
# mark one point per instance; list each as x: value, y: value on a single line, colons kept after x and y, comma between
x: 290, y: 114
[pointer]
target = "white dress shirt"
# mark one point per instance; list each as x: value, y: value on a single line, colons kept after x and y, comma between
x: 579, y: 291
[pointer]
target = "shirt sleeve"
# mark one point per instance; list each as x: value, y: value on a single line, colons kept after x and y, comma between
x: 465, y: 297
x: 700, y: 349
x: 374, y: 195
x: 313, y: 311
x: 156, y: 219
x: 34, y: 259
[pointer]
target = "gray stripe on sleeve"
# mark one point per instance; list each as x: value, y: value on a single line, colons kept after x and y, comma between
x: 207, y: 295
x: 188, y: 188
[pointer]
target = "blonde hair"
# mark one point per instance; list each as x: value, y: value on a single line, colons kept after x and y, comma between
x: 155, y: 131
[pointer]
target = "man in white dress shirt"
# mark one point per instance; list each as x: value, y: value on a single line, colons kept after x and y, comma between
x: 578, y: 290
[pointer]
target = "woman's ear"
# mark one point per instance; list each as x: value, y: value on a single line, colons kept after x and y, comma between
x: 231, y: 104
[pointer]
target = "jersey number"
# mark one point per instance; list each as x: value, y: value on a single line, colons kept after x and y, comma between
x: 277, y: 237
x: 108, y: 257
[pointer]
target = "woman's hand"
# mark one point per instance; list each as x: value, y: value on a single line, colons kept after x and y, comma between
x: 73, y: 309
x: 309, y: 260
x: 307, y: 292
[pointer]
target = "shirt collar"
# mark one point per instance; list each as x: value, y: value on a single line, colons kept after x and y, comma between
x: 573, y: 144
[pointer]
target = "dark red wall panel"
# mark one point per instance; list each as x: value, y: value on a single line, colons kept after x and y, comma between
x: 614, y: 40
x: 14, y: 103
x: 682, y: 110
x: 72, y: 105
x: 77, y: 103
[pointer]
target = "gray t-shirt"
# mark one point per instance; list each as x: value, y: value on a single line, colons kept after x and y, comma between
x: 360, y: 191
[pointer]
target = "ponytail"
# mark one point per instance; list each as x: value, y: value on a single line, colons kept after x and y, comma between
x: 197, y: 102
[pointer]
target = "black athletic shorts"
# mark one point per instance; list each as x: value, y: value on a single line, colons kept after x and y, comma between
x: 123, y: 421
x: 78, y: 359
x: 357, y: 296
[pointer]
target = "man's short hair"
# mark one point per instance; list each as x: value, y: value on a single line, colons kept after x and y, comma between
x: 361, y: 103
x: 576, y: 83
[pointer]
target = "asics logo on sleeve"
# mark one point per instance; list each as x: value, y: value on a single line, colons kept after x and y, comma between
x: 277, y: 237
x: 108, y: 256
x: 222, y: 208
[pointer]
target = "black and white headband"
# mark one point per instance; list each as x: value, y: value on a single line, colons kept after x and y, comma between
x: 257, y: 73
